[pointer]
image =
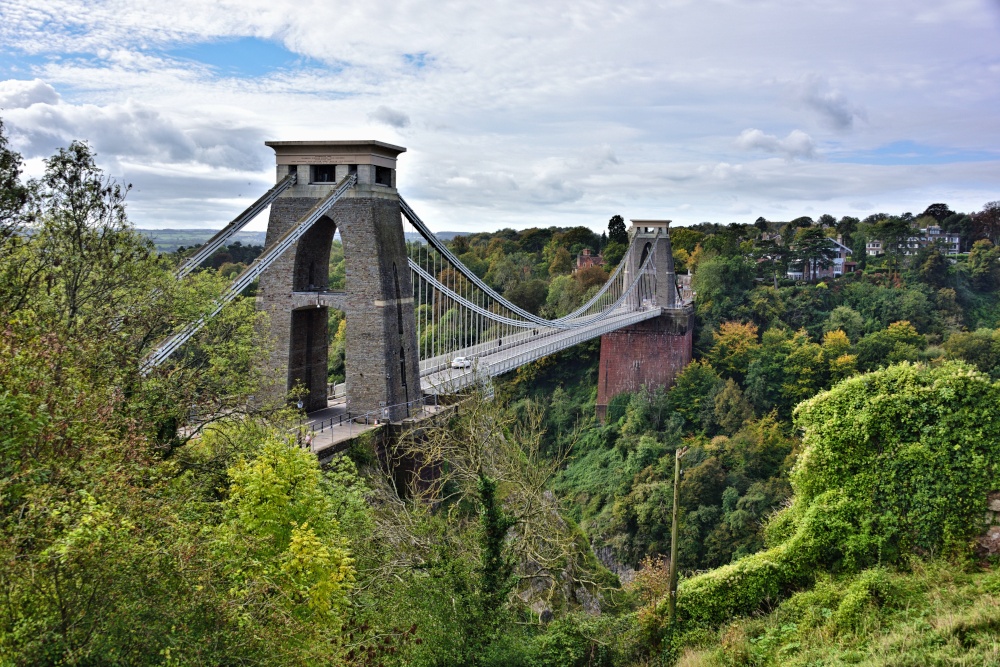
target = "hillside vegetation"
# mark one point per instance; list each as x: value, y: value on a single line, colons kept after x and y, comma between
x: 843, y: 439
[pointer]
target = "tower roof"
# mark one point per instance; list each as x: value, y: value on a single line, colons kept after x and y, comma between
x: 350, y: 151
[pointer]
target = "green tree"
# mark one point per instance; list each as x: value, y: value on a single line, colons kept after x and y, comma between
x: 616, y: 230
x: 613, y: 253
x: 561, y: 263
x: 893, y: 232
x: 980, y: 348
x: 939, y: 212
x: 722, y: 285
x: 530, y: 295
x: 14, y: 195
x: 986, y: 223
x: 984, y: 266
x: 735, y: 345
x: 694, y: 392
x: 846, y: 227
x: 772, y: 257
x: 899, y: 342
x: 732, y: 410
x: 845, y: 319
x: 813, y: 250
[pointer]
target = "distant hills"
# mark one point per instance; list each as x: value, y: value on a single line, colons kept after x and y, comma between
x: 169, y: 240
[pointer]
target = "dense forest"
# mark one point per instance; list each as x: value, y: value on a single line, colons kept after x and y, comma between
x: 841, y: 439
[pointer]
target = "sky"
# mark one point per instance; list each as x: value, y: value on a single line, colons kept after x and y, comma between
x: 522, y: 114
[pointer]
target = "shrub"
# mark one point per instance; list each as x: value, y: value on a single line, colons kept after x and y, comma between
x: 895, y: 461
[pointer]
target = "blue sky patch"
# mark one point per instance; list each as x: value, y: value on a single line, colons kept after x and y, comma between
x: 18, y: 65
x: 242, y: 57
x: 912, y: 153
x: 418, y: 60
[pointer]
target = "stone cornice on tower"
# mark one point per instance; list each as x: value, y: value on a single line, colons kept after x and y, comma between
x: 352, y: 151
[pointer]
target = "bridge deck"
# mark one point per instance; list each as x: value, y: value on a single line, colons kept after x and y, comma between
x: 451, y: 380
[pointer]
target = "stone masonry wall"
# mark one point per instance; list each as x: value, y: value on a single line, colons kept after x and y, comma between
x: 381, y: 356
x: 381, y: 350
x: 651, y: 354
x: 274, y: 294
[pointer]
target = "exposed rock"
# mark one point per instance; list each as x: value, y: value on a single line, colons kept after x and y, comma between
x: 626, y: 573
x: 990, y: 542
x: 590, y: 602
x: 993, y: 502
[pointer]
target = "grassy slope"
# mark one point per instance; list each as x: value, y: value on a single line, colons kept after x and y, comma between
x: 935, y: 614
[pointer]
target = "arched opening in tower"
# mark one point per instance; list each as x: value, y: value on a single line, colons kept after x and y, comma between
x: 315, y: 363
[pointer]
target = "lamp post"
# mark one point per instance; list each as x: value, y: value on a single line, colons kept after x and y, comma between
x: 672, y: 595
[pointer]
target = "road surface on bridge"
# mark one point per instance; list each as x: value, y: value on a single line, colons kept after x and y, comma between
x: 451, y: 380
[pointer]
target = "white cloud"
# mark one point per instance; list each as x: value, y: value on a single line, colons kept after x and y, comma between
x: 132, y: 131
x: 15, y: 94
x: 516, y: 115
x: 797, y: 144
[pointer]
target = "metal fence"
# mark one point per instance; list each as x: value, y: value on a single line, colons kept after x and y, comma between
x: 359, y: 422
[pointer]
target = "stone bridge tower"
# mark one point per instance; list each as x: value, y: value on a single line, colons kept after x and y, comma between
x: 381, y: 342
x: 654, y: 352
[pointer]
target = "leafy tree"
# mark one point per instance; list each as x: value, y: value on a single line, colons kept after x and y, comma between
x: 561, y: 264
x: 459, y: 244
x: 984, y: 266
x: 931, y: 266
x: 734, y: 348
x: 563, y: 296
x: 846, y: 227
x: 685, y: 238
x: 899, y: 342
x: 14, y: 196
x: 694, y: 392
x: 814, y: 250
x: 787, y: 368
x: 846, y: 319
x: 577, y: 238
x: 497, y: 564
x: 939, y: 212
x: 893, y: 232
x: 722, y: 284
x: 616, y: 230
x: 732, y: 410
x: 766, y: 306
x: 761, y: 224
x: 772, y: 257
x: 987, y: 222
x: 529, y: 295
x: 980, y: 348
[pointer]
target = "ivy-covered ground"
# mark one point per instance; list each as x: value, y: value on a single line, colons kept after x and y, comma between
x: 926, y: 613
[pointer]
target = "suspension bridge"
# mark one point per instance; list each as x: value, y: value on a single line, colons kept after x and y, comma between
x: 419, y: 323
